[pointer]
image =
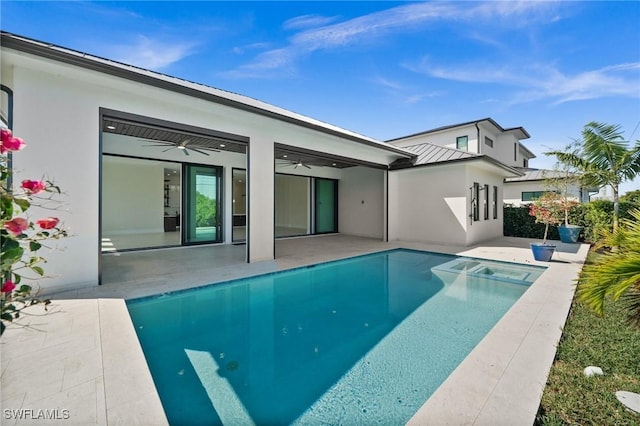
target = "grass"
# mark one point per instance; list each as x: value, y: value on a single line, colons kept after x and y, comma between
x: 571, y: 398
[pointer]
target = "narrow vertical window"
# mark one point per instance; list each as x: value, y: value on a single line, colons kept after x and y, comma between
x: 462, y: 143
x: 486, y: 202
x: 515, y: 151
x: 495, y: 202
x: 475, y: 202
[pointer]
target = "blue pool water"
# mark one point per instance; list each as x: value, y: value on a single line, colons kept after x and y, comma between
x: 359, y: 341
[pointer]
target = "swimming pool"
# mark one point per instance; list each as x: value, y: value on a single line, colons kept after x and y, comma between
x: 358, y: 341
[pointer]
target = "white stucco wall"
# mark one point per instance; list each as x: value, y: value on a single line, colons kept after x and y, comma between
x: 56, y: 110
x: 446, y: 138
x: 513, y: 191
x: 483, y: 230
x: 420, y: 210
x: 361, y: 202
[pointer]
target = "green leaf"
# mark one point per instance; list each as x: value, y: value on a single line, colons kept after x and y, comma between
x: 6, y: 317
x: 34, y: 246
x: 23, y: 203
x: 7, y: 207
x: 38, y: 270
x: 11, y: 256
x: 25, y: 288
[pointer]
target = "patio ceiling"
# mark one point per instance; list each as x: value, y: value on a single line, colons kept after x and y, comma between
x: 151, y: 132
x: 141, y: 132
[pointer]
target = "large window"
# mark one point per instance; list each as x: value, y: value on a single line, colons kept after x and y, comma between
x: 462, y: 143
x: 292, y: 206
x: 144, y: 215
x: 531, y: 195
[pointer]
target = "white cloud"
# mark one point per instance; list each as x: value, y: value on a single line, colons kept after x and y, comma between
x: 308, y: 21
x: 539, y: 82
x: 401, y: 19
x: 152, y: 54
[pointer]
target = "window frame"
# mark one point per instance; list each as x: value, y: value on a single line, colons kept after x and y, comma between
x: 486, y: 201
x: 534, y: 195
x: 475, y: 204
x: 488, y: 141
x: 466, y: 141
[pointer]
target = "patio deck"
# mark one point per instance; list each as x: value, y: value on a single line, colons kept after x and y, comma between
x: 84, y: 357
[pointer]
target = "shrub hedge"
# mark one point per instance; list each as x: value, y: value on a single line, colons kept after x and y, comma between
x: 594, y: 217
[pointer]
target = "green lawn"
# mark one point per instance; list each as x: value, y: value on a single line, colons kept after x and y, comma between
x: 570, y: 398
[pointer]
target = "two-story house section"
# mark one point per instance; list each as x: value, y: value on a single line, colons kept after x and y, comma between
x: 484, y: 137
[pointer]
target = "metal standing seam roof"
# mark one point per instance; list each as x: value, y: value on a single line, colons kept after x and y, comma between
x: 429, y: 153
x: 536, y: 174
x: 153, y: 78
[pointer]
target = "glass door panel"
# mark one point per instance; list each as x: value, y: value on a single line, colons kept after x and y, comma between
x: 326, y: 205
x: 202, y: 208
x: 239, y: 208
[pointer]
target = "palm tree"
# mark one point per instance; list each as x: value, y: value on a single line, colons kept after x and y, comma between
x: 604, y: 159
x: 616, y: 273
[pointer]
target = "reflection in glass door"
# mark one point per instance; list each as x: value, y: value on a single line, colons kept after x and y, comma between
x: 239, y: 205
x: 201, y: 219
x: 326, y: 205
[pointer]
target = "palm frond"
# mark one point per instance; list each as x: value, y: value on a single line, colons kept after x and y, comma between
x: 617, y: 273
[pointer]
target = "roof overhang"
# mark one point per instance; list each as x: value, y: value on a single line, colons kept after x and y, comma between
x: 519, y: 132
x: 482, y: 160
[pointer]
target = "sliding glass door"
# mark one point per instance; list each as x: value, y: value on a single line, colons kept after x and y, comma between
x: 326, y: 205
x: 202, y: 207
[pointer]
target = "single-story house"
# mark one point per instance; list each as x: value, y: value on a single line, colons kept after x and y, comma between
x: 148, y: 160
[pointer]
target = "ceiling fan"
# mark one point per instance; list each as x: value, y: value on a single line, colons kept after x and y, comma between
x: 182, y: 146
x: 295, y: 164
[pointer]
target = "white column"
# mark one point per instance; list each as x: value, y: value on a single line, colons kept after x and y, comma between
x: 260, y: 173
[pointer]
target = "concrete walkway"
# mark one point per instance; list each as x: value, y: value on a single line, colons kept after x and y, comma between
x: 82, y: 364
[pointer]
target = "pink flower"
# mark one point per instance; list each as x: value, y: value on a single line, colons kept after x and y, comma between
x: 9, y: 143
x: 7, y: 287
x: 48, y: 222
x: 33, y: 186
x: 17, y: 225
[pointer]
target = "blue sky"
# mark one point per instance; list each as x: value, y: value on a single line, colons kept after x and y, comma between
x: 382, y: 69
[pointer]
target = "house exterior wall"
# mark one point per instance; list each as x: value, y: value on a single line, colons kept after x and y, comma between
x: 56, y: 111
x: 361, y: 202
x: 513, y: 191
x: 503, y: 142
x: 420, y: 211
x: 485, y: 229
x: 445, y: 138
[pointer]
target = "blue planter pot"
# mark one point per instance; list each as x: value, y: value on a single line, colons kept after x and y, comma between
x: 542, y: 252
x: 569, y: 233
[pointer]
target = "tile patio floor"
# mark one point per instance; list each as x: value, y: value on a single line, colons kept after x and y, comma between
x: 84, y: 357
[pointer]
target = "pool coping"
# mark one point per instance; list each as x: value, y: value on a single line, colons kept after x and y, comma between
x: 499, y: 382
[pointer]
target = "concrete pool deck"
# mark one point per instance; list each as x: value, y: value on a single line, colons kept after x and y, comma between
x: 81, y: 363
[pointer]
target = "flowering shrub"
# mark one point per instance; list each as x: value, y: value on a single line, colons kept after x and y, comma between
x: 547, y: 209
x: 21, y: 237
